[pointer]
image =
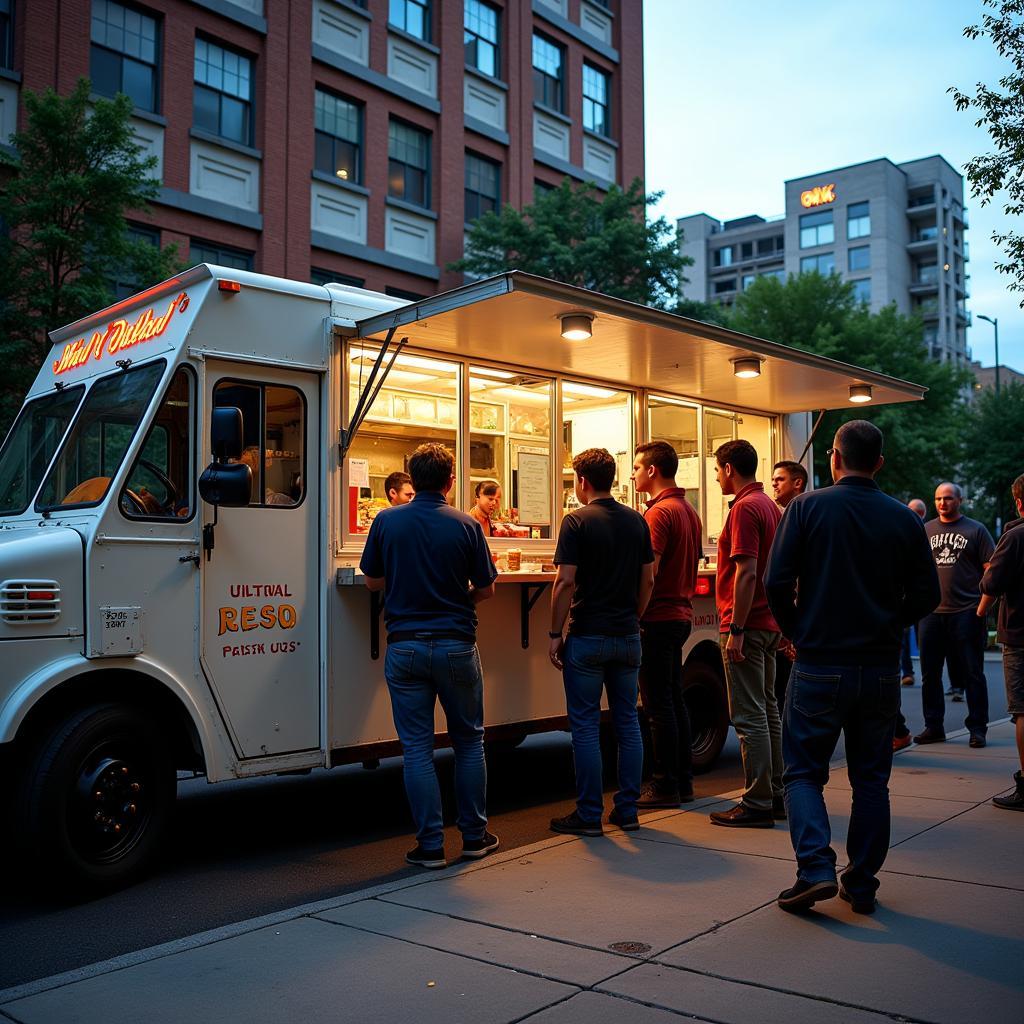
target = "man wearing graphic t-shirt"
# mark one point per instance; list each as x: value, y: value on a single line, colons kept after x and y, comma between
x: 954, y: 634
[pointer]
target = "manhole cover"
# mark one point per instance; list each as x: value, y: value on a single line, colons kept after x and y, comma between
x: 633, y: 948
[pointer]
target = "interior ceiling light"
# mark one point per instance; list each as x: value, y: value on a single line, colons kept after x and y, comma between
x: 860, y: 392
x: 577, y: 326
x: 586, y: 390
x: 746, y: 366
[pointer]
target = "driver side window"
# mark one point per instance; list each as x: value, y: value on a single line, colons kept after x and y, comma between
x: 159, y: 485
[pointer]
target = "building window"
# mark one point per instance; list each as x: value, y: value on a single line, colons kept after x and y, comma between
x: 770, y: 246
x: 927, y: 273
x: 722, y: 257
x: 339, y: 134
x: 860, y: 258
x: 412, y: 16
x: 483, y: 187
x: 542, y: 189
x: 222, y: 101
x: 322, y: 277
x: 401, y: 293
x: 480, y: 37
x: 6, y: 35
x: 862, y: 289
x: 816, y: 229
x: 123, y: 56
x: 747, y: 251
x: 596, y: 108
x: 824, y: 264
x: 408, y: 164
x: 220, y: 256
x: 125, y: 284
x: 747, y: 280
x: 548, y: 72
x: 779, y: 275
x: 727, y: 284
x: 858, y: 220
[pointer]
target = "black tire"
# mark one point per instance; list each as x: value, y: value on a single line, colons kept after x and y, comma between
x: 704, y: 693
x: 96, y: 800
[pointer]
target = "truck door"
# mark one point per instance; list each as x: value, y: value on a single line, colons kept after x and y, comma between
x: 261, y: 586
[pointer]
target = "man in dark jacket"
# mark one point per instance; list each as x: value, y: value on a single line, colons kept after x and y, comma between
x: 850, y: 568
x: 1005, y: 578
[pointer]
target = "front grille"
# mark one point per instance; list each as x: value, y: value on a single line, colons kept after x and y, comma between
x: 29, y: 601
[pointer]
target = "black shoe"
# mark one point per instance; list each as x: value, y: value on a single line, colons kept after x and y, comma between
x: 930, y: 735
x: 779, y: 809
x: 426, y: 858
x: 574, y: 825
x: 652, y: 797
x: 628, y: 823
x: 804, y: 895
x: 1015, y: 800
x: 977, y: 740
x: 476, y: 848
x: 743, y: 817
x: 860, y: 906
x: 958, y: 696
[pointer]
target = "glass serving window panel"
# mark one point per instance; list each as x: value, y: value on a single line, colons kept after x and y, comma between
x: 597, y: 417
x: 418, y: 403
x: 721, y: 425
x: 677, y: 423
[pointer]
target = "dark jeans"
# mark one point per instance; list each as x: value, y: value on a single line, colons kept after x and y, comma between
x: 906, y: 664
x: 418, y: 674
x: 593, y: 663
x: 957, y: 640
x: 823, y: 701
x: 661, y: 687
x: 783, y: 670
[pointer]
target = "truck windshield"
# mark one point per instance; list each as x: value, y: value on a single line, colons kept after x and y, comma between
x: 102, y: 432
x: 31, y: 445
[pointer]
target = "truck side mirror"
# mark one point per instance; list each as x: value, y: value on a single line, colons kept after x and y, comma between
x: 226, y: 433
x: 226, y: 483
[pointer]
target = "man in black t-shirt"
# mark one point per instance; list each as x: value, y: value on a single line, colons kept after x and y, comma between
x: 954, y: 634
x: 605, y: 578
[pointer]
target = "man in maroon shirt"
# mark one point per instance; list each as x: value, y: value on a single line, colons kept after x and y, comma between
x: 749, y: 636
x: 665, y: 627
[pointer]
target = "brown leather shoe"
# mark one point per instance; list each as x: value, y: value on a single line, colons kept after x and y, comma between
x: 743, y: 817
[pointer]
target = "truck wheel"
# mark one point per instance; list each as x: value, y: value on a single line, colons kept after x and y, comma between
x: 97, y: 798
x: 704, y: 693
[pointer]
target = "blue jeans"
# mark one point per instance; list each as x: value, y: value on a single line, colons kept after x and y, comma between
x: 823, y: 701
x: 613, y: 663
x: 419, y: 673
x: 958, y: 640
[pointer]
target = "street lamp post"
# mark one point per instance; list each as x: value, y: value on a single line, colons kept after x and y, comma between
x: 994, y: 321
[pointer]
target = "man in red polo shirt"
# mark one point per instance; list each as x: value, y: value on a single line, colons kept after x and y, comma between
x: 749, y: 636
x: 665, y: 627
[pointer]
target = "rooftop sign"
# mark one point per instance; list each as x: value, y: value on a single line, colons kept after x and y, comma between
x: 820, y: 195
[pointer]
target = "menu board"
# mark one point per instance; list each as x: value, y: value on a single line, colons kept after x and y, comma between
x: 534, y: 484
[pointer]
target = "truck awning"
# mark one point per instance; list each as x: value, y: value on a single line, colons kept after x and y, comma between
x: 515, y: 319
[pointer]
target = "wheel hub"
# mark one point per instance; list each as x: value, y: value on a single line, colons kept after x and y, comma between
x: 112, y: 798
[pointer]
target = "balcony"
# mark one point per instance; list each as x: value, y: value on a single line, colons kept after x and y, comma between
x: 922, y: 245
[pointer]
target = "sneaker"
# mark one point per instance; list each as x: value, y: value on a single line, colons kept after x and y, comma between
x: 743, y: 817
x: 779, y: 809
x: 930, y: 735
x: 1013, y: 801
x: 977, y: 740
x: 652, y: 797
x: 860, y: 905
x: 426, y: 858
x: 804, y: 895
x: 628, y: 823
x: 907, y: 680
x: 958, y: 696
x: 476, y: 848
x: 901, y: 742
x: 573, y: 825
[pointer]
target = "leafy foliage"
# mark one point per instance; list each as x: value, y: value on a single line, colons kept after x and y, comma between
x: 1000, y: 110
x: 993, y: 455
x: 76, y: 173
x: 820, y: 314
x: 586, y: 237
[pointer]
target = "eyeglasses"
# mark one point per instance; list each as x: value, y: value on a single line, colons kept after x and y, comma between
x: 831, y: 451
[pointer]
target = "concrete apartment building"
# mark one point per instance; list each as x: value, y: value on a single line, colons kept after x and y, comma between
x: 896, y: 231
x: 345, y: 140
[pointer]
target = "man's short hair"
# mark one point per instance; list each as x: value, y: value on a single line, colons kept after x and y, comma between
x: 958, y: 491
x: 487, y: 487
x: 860, y: 444
x: 1017, y: 488
x: 597, y: 466
x: 794, y: 469
x: 661, y: 455
x: 396, y: 481
x: 741, y: 455
x: 431, y: 467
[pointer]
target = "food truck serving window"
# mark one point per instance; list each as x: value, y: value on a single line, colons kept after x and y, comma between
x: 676, y: 422
x: 100, y: 437
x: 31, y: 445
x: 721, y: 425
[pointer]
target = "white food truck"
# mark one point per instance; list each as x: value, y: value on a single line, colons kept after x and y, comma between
x: 185, y: 494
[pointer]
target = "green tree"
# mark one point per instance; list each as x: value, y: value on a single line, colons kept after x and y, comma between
x: 76, y: 172
x: 709, y: 312
x: 994, y: 455
x: 820, y: 314
x: 998, y: 110
x: 586, y: 237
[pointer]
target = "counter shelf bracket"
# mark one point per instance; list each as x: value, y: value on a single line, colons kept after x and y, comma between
x: 528, y: 595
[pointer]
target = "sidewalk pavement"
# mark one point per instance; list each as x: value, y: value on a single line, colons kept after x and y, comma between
x: 678, y: 919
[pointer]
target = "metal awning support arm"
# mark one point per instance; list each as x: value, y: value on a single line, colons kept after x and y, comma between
x: 374, y: 382
x: 814, y: 431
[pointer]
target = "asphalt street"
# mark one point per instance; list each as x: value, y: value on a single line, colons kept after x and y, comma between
x: 249, y: 848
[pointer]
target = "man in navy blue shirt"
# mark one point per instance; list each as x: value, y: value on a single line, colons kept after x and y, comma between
x: 433, y: 564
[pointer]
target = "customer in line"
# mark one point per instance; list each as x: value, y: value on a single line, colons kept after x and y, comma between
x: 432, y: 562
x: 789, y: 481
x: 849, y: 570
x: 749, y: 636
x: 604, y: 581
x: 398, y: 488
x: 906, y: 662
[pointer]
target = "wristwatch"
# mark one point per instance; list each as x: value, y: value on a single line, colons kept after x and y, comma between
x: 736, y: 630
